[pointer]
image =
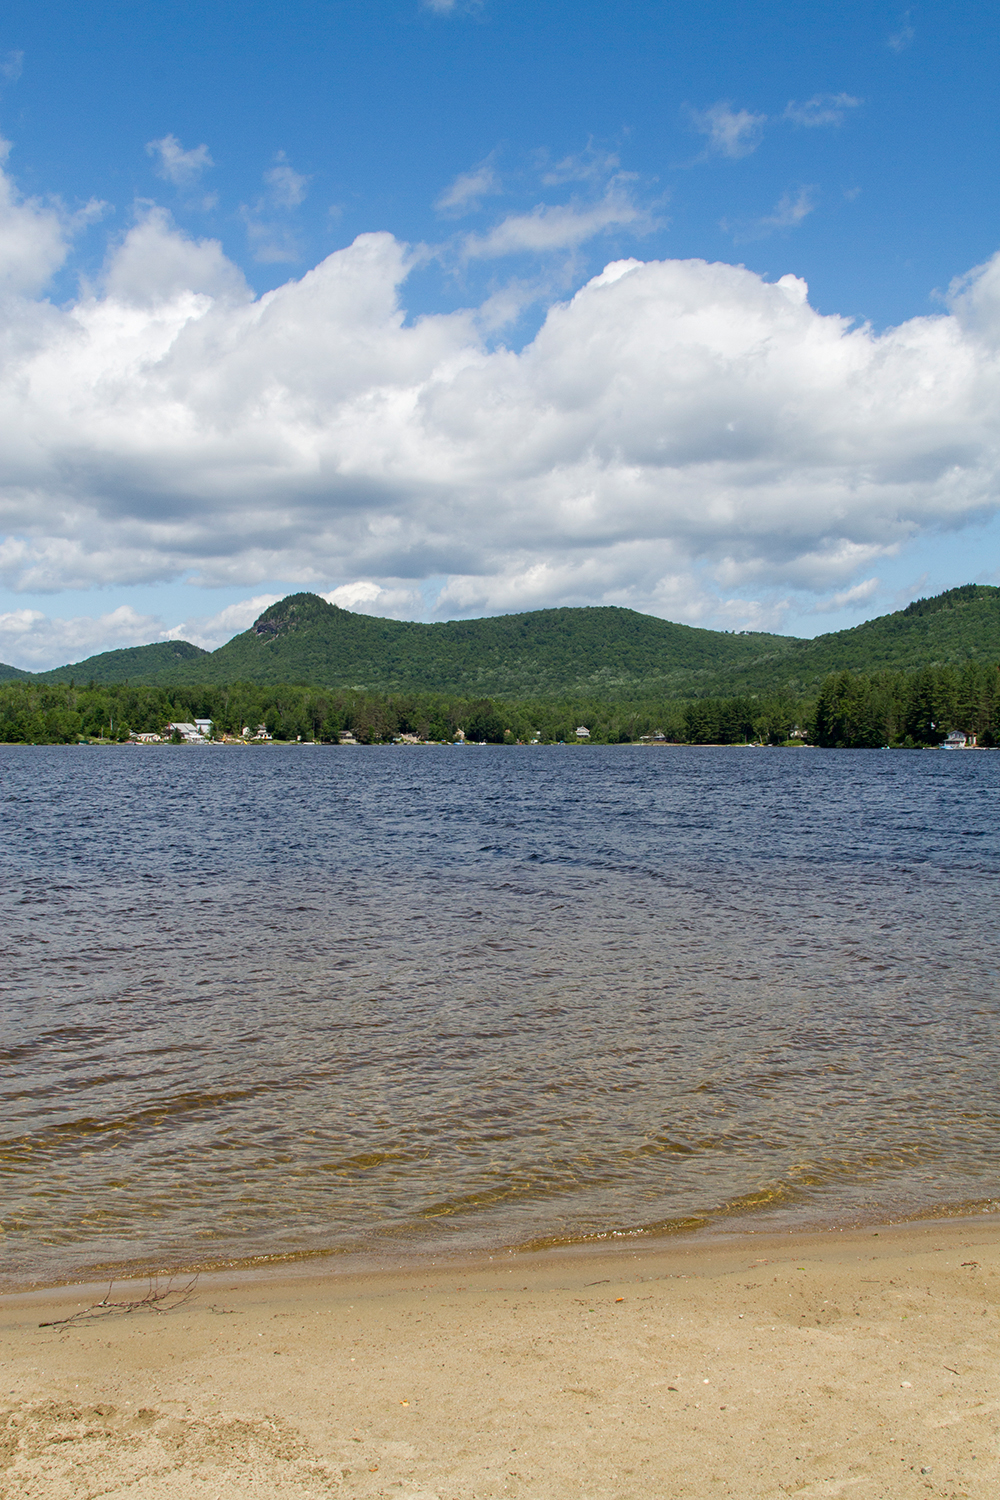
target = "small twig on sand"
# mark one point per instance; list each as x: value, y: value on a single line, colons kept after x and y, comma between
x: 155, y: 1300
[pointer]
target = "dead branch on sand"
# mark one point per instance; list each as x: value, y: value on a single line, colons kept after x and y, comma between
x: 156, y: 1300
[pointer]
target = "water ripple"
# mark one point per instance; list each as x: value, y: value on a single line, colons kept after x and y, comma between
x: 283, y: 1003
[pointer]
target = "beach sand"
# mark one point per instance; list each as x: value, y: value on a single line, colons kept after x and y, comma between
x: 861, y: 1363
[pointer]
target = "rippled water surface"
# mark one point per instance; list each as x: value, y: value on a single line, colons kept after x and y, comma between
x: 412, y: 1000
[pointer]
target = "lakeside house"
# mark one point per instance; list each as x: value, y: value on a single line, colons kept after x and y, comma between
x: 956, y: 740
x: 189, y: 733
x: 583, y: 733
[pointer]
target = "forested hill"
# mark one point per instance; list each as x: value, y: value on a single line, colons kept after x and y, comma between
x: 164, y: 661
x: 960, y: 625
x: 601, y: 651
x: 598, y: 652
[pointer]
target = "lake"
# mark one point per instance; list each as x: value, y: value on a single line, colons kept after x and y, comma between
x: 396, y: 1002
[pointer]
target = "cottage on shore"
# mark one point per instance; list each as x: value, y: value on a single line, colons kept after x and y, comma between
x: 189, y: 733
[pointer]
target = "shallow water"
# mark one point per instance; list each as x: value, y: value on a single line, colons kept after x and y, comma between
x: 415, y: 1000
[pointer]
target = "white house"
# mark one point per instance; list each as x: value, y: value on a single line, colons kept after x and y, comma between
x: 190, y: 733
x: 583, y: 733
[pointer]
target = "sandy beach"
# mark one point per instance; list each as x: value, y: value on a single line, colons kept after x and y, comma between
x: 858, y: 1363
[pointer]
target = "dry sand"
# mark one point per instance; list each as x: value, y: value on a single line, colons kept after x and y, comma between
x: 851, y: 1364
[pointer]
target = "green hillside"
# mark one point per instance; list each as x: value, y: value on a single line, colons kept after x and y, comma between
x: 600, y: 654
x: 604, y: 651
x: 960, y: 625
x: 170, y: 659
x: 13, y: 674
x: 597, y: 652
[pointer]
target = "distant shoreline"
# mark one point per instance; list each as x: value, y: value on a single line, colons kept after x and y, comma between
x: 466, y: 744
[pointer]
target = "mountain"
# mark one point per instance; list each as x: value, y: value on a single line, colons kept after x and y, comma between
x: 163, y: 661
x: 13, y: 674
x: 599, y: 652
x: 960, y: 625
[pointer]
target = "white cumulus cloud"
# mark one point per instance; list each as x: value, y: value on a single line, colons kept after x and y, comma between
x: 677, y: 432
x: 365, y: 597
x: 154, y: 265
x: 861, y: 593
x: 562, y: 226
x: 35, y: 642
x: 731, y: 132
x: 286, y: 187
x: 211, y: 631
x: 34, y: 236
x: 176, y: 165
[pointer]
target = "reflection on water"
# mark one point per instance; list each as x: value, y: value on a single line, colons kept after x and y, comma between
x: 296, y: 999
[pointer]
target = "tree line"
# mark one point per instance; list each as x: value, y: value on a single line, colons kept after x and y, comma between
x: 859, y: 711
x: 850, y: 710
x: 56, y: 713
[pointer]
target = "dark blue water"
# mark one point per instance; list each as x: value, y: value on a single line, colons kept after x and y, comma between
x: 415, y: 1000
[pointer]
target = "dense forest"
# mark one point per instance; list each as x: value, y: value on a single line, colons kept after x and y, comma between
x: 908, y: 708
x: 52, y: 713
x: 563, y: 656
x: 850, y: 710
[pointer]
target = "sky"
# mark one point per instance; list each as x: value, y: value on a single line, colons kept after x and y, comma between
x: 449, y: 308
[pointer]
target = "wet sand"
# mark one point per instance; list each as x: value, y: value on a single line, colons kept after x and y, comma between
x: 861, y: 1363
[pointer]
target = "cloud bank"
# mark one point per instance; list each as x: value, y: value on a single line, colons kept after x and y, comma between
x: 676, y: 430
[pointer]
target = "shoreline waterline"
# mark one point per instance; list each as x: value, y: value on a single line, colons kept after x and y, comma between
x: 711, y: 1239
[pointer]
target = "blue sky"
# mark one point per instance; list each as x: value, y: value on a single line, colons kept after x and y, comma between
x: 443, y: 419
